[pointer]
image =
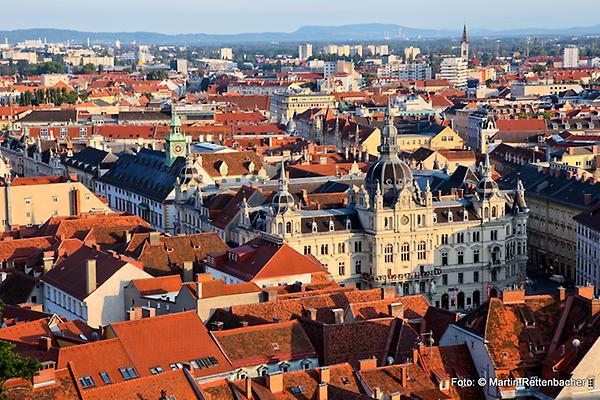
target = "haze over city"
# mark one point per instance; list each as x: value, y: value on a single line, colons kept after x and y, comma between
x: 299, y: 200
x: 241, y: 16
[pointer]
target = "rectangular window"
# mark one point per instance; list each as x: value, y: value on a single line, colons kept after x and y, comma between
x: 476, y: 276
x: 476, y: 255
x: 461, y: 277
x: 105, y: 377
x: 128, y: 373
x: 444, y: 258
x: 86, y: 382
x: 445, y: 279
x: 156, y: 370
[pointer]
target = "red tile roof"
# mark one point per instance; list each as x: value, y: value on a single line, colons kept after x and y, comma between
x: 68, y: 274
x: 265, y: 344
x: 262, y: 259
x: 171, y: 252
x: 181, y: 337
x: 512, y: 125
x: 170, y: 383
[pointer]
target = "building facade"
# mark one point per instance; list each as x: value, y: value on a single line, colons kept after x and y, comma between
x: 457, y: 250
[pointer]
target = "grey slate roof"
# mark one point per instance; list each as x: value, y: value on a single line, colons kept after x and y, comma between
x: 558, y: 188
x: 144, y: 173
x: 40, y: 116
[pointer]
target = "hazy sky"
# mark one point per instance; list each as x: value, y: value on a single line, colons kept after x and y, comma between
x: 234, y: 16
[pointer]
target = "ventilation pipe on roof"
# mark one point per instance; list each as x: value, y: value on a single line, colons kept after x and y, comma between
x: 188, y: 271
x: 90, y: 276
x: 322, y: 393
x: 249, y: 388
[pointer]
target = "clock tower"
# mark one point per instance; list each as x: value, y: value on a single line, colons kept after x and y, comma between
x: 175, y: 145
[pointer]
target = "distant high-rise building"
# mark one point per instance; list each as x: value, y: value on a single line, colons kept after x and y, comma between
x: 571, y: 57
x: 411, y: 53
x: 382, y: 50
x: 464, y: 45
x: 305, y: 51
x: 182, y: 66
x: 454, y: 69
x: 226, y: 53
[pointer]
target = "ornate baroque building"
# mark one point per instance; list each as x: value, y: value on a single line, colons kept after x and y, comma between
x: 458, y: 250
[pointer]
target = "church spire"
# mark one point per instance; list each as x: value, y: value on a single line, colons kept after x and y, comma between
x: 283, y: 180
x: 464, y: 45
x: 389, y: 135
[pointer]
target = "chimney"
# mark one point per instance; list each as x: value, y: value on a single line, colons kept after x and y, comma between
x: 513, y: 296
x: 404, y: 375
x: 90, y: 275
x: 562, y: 293
x: 199, y: 290
x: 415, y: 355
x: 587, y: 199
x: 248, y: 388
x: 587, y: 292
x: 396, y: 310
x: 48, y: 260
x: 311, y: 313
x: 134, y: 313
x: 388, y: 292
x: 324, y: 375
x: 376, y: 393
x: 44, y: 343
x: 148, y: 312
x: 76, y: 202
x: 275, y: 382
x: 338, y: 316
x: 369, y: 363
x: 271, y: 295
x: 395, y: 396
x: 154, y: 238
x: 322, y: 391
x: 188, y: 271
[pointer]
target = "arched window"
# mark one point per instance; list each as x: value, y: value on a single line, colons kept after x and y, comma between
x: 288, y: 227
x: 405, y: 252
x: 389, y: 253
x: 280, y: 228
x: 486, y: 212
x: 422, y: 250
x: 494, y: 212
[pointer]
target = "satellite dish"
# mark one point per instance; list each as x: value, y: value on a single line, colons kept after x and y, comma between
x: 390, y: 360
x: 576, y: 343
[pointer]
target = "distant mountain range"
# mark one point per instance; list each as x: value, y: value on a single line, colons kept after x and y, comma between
x: 313, y: 33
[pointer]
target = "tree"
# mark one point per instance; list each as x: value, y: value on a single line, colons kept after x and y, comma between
x: 157, y: 75
x: 12, y: 365
x: 88, y: 69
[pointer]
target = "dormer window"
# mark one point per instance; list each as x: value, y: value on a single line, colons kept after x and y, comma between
x: 314, y: 227
x: 331, y: 225
x: 86, y: 382
x: 348, y: 224
x: 450, y: 217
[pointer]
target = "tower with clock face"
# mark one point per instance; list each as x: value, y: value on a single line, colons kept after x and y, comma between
x: 175, y: 145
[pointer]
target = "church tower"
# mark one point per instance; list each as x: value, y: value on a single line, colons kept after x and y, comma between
x: 464, y: 45
x: 175, y: 145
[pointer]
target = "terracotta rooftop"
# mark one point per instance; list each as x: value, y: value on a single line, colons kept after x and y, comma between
x: 262, y: 259
x: 172, y: 384
x: 264, y: 344
x: 181, y: 338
